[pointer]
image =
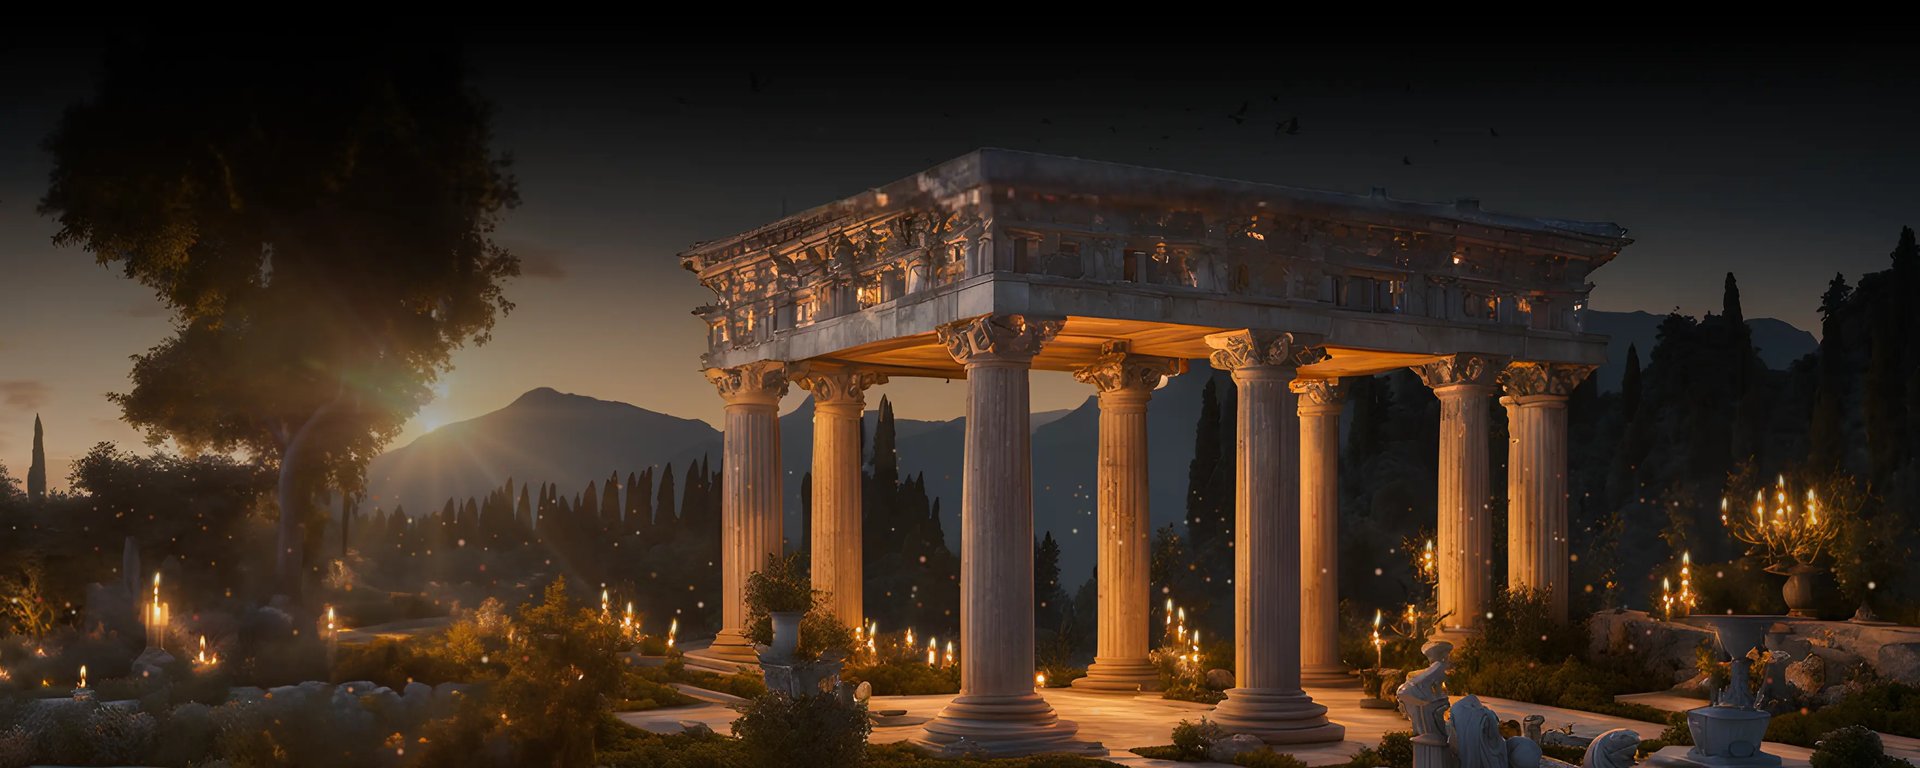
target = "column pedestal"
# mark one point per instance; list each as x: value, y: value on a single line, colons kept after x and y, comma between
x: 1268, y: 702
x: 1125, y: 383
x: 998, y: 712
x: 1464, y: 551
x: 1320, y: 403
x: 750, y: 507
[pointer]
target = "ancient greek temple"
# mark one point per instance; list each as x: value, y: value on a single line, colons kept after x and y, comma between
x: 998, y: 263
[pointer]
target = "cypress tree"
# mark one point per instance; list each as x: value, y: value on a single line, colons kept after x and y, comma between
x: 1047, y: 594
x: 693, y: 497
x: 1206, y: 459
x: 664, y: 520
x: 37, y: 471
x: 1630, y: 383
x: 610, y: 504
x: 642, y: 522
x: 1826, y: 432
x: 886, y: 457
x: 523, y: 512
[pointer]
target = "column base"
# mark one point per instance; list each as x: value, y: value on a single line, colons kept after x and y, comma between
x: 1001, y: 726
x: 1119, y: 676
x: 1277, y: 716
x: 1683, y: 757
x: 1328, y: 677
x: 1456, y: 635
x: 730, y: 652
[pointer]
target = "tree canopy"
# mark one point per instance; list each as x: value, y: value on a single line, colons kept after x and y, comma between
x: 317, y: 217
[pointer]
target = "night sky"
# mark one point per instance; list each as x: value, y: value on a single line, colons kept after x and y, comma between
x: 1782, y: 165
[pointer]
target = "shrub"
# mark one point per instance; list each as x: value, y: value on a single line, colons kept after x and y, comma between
x: 906, y: 678
x: 564, y: 669
x: 644, y: 688
x: 810, y: 730
x: 1191, y: 740
x: 1854, y: 746
x: 1395, y: 751
x: 1267, y: 758
x: 1880, y: 706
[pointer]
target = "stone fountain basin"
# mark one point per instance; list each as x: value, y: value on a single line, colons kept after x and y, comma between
x: 1728, y: 731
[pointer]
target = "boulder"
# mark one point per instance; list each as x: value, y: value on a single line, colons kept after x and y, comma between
x: 1225, y: 749
x: 1219, y: 679
x: 1899, y: 662
x: 1808, y: 675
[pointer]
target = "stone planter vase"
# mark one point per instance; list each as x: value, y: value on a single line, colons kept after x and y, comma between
x: 786, y: 633
x: 1802, y: 582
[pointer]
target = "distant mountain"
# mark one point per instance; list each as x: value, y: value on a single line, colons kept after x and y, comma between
x: 544, y: 436
x: 1778, y: 341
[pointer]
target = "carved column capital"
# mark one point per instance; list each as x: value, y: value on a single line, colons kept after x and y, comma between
x: 1530, y: 379
x: 1319, y: 394
x: 760, y: 382
x: 1117, y: 370
x: 989, y: 338
x: 836, y: 385
x: 1233, y: 350
x: 1465, y: 369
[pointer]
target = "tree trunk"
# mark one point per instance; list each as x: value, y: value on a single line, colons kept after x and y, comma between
x: 293, y: 503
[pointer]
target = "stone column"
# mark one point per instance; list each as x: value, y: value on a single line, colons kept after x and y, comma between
x: 1267, y: 701
x: 1536, y: 401
x: 1320, y: 403
x: 1464, y: 550
x: 750, y: 510
x: 839, y: 400
x: 997, y: 711
x: 1125, y: 383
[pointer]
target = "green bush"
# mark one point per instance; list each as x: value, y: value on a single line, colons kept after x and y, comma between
x: 1395, y: 751
x: 1880, y: 706
x: 644, y: 688
x: 907, y: 678
x: 802, y: 731
x: 1854, y: 746
x: 1190, y: 740
x: 1267, y: 758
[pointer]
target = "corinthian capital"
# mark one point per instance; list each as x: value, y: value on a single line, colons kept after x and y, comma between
x: 761, y: 382
x: 1117, y: 370
x: 837, y: 385
x: 1457, y: 370
x: 997, y: 337
x: 1314, y: 392
x: 1527, y: 379
x: 1244, y: 349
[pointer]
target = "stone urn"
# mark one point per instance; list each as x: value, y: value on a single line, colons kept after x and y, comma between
x: 786, y: 633
x: 1802, y: 580
x: 1728, y: 733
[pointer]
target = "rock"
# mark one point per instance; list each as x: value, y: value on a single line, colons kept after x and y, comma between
x: 1219, y: 679
x: 1899, y: 662
x: 695, y: 728
x: 358, y: 687
x: 1808, y: 675
x: 151, y: 664
x: 1224, y: 750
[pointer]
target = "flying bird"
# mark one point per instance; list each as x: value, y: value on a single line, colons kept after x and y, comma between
x: 1240, y: 117
x: 1404, y: 160
x: 755, y: 82
x: 1493, y: 133
x: 1289, y: 126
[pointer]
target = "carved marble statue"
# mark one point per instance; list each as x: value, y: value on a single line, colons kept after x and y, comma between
x: 1474, y: 732
x: 1423, y: 697
x: 1613, y: 749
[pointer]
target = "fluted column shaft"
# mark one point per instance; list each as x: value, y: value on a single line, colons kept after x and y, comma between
x: 1125, y: 383
x: 1464, y: 557
x: 750, y: 505
x: 839, y: 400
x: 1465, y: 536
x: 997, y: 709
x: 1267, y: 700
x: 1536, y: 402
x: 1319, y: 406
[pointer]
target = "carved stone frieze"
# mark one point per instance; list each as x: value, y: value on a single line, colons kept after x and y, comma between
x: 1012, y: 337
x: 1525, y: 379
x: 764, y: 381
x: 836, y: 385
x: 1466, y: 368
x: 1116, y: 369
x: 1242, y: 349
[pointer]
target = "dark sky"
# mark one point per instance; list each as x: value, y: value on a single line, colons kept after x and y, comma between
x: 1783, y: 165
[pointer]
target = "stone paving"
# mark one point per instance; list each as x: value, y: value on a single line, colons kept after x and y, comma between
x: 1121, y: 722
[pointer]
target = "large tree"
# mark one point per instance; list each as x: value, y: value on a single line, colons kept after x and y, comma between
x: 317, y: 216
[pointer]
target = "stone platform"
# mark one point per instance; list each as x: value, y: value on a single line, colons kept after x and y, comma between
x: 1121, y: 722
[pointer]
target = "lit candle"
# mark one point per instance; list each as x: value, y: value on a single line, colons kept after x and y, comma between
x: 1040, y: 680
x: 949, y: 659
x: 83, y: 675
